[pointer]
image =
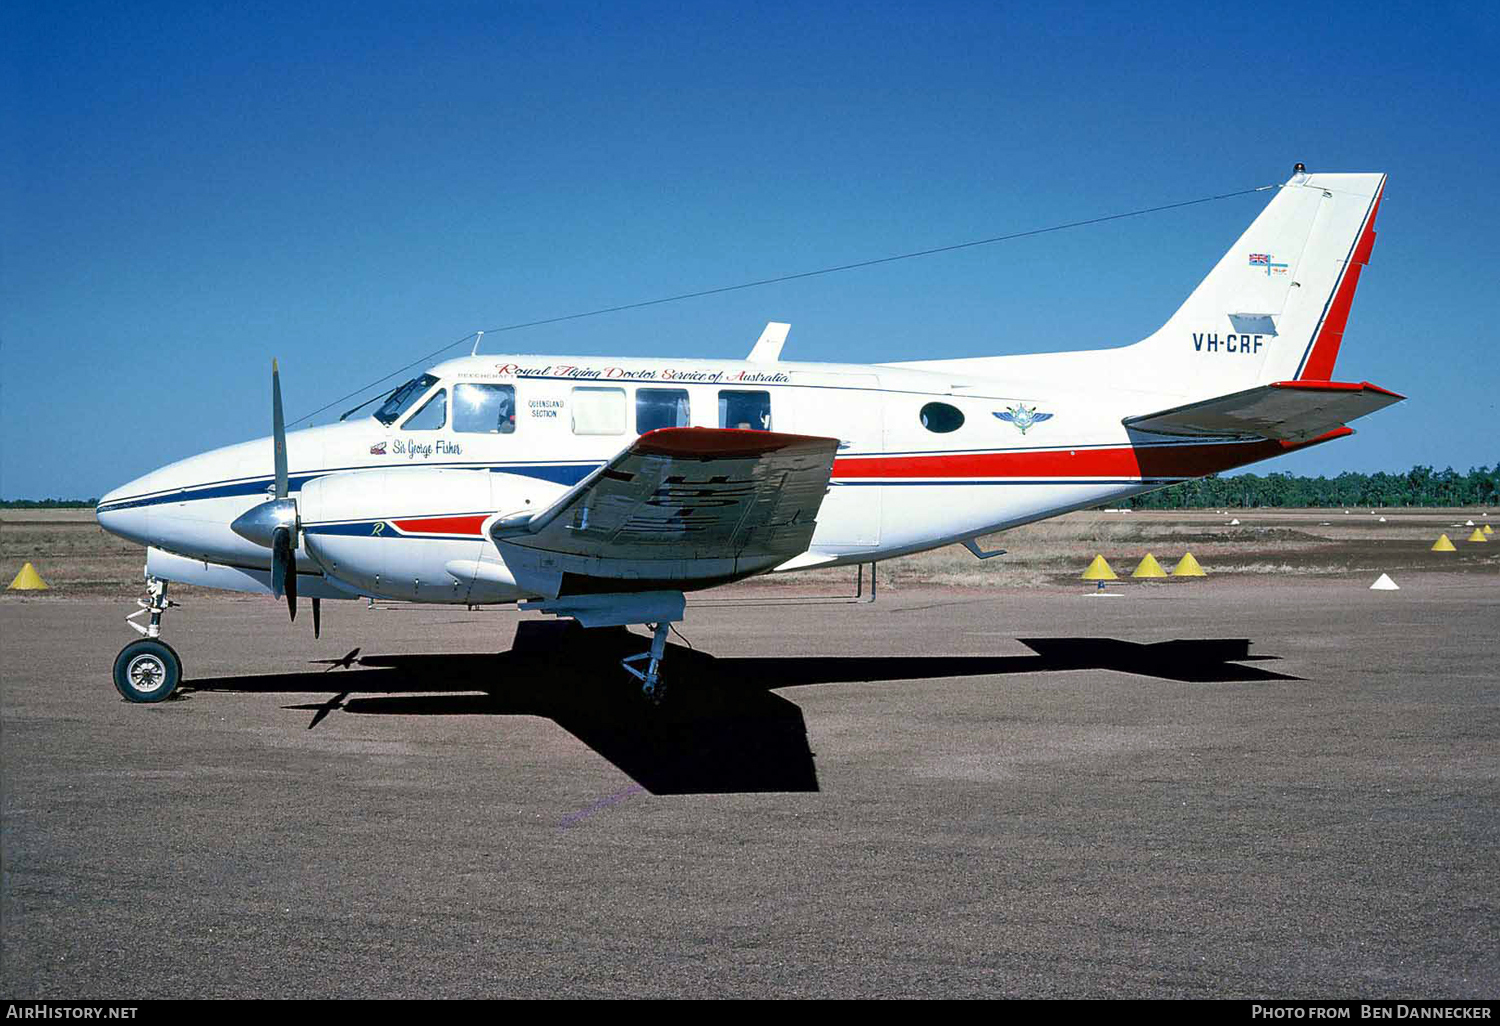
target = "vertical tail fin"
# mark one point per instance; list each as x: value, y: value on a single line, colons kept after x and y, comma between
x: 1275, y: 307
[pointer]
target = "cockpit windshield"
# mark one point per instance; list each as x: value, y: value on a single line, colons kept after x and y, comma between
x: 402, y: 398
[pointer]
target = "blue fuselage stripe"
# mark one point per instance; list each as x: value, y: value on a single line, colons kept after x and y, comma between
x: 558, y: 473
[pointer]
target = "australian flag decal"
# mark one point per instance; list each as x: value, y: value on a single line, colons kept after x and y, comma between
x: 1258, y: 260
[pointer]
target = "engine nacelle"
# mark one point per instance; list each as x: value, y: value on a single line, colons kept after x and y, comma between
x: 417, y: 533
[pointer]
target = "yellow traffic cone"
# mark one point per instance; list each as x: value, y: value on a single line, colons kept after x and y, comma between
x: 1478, y: 536
x: 1099, y: 570
x: 1187, y: 566
x: 1149, y: 568
x: 1488, y: 530
x: 28, y: 580
x: 1443, y: 544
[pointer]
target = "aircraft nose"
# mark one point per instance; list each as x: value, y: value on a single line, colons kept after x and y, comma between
x: 130, y: 519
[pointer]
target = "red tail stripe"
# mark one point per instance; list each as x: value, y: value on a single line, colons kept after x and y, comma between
x: 1325, y: 350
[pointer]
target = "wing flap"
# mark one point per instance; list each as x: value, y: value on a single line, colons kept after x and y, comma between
x: 1284, y: 410
x: 682, y: 504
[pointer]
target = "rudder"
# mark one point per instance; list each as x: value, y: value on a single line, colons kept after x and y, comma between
x: 1275, y: 306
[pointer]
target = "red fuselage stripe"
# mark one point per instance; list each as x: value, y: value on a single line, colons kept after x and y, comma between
x: 1148, y: 462
x: 469, y: 525
x: 1120, y: 462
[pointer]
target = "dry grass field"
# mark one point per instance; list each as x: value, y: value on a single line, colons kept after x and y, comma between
x: 77, y: 558
x: 70, y: 550
x: 1264, y: 542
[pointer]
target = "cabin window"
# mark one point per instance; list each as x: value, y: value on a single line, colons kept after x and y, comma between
x: 432, y: 415
x: 745, y: 410
x: 660, y: 408
x: 941, y: 418
x: 401, y: 400
x: 484, y: 409
x: 598, y: 411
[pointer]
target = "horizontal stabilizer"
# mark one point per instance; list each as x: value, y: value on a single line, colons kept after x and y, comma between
x: 1284, y: 410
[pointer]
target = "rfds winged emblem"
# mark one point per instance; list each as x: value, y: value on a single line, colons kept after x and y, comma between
x: 1022, y: 417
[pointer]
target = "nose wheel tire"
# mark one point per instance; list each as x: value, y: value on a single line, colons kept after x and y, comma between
x: 147, y: 671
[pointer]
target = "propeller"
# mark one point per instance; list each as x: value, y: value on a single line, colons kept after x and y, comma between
x: 275, y: 522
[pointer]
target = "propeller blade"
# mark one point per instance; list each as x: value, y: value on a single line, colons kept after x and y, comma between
x: 281, y: 541
x: 278, y: 432
x: 284, y: 568
x: 317, y: 617
x: 291, y: 585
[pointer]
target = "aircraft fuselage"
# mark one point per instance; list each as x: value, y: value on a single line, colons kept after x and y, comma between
x: 925, y: 459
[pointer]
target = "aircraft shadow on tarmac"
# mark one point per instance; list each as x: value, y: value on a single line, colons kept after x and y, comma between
x: 721, y: 728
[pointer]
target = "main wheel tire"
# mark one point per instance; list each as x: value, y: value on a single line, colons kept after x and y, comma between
x: 147, y: 671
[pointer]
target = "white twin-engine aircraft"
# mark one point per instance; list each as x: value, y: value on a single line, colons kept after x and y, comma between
x: 604, y: 489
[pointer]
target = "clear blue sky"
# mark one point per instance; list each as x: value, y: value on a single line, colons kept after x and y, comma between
x: 188, y: 190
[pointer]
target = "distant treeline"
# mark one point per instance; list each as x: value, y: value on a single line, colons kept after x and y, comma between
x: 1419, y: 486
x: 48, y: 503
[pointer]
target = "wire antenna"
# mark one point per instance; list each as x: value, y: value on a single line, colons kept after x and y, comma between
x: 797, y: 276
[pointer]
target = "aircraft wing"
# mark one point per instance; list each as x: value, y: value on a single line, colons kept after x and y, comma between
x: 1283, y: 410
x: 678, y: 505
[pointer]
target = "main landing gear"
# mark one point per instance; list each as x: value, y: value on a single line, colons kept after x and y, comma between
x: 650, y: 678
x: 148, y: 670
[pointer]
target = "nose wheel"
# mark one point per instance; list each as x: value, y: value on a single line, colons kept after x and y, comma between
x: 147, y: 670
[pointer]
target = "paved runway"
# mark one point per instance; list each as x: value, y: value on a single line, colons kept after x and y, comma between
x: 1200, y: 788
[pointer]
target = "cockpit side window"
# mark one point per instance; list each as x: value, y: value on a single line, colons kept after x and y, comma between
x: 402, y: 399
x: 432, y: 415
x: 484, y: 409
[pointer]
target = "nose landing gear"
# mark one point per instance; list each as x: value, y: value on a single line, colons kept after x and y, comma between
x: 148, y: 670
